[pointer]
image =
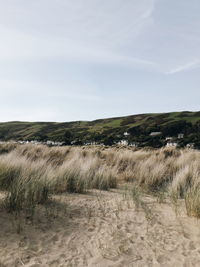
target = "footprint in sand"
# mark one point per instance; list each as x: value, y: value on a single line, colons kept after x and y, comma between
x: 91, y: 229
x: 55, y: 238
x: 192, y: 246
x: 162, y: 259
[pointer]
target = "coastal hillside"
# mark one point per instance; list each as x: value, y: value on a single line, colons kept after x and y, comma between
x: 110, y: 130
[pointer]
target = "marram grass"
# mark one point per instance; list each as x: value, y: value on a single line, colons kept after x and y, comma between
x: 30, y: 174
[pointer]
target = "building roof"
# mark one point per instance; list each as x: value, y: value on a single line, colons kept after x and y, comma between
x: 155, y: 133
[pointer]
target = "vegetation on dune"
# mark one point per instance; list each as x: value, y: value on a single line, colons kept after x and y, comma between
x: 30, y: 174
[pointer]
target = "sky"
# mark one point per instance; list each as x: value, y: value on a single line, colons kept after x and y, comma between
x: 64, y: 60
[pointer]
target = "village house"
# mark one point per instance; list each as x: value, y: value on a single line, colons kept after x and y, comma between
x: 123, y: 142
x: 52, y: 143
x: 171, y: 144
x: 180, y: 136
x: 133, y: 144
x: 126, y: 134
x: 92, y: 143
x: 155, y: 134
x: 34, y: 142
x: 169, y: 138
x: 190, y: 145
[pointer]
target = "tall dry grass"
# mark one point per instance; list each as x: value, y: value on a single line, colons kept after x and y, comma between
x: 30, y: 174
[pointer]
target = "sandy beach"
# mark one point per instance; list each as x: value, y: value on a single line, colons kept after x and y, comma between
x: 101, y: 229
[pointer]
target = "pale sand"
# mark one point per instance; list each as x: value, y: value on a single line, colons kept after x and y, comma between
x: 101, y: 229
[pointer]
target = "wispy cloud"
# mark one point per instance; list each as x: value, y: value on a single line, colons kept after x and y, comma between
x: 185, y: 67
x: 33, y: 48
x: 94, y: 32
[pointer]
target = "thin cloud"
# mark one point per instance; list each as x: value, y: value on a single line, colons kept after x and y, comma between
x: 185, y: 67
x: 95, y: 32
x: 33, y: 48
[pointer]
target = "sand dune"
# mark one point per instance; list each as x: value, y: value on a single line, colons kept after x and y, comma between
x: 101, y: 229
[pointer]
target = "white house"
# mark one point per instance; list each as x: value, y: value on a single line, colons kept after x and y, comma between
x: 133, y: 144
x: 169, y: 138
x: 191, y: 145
x: 155, y: 134
x: 180, y: 136
x: 52, y: 143
x: 171, y: 144
x: 123, y: 142
x: 90, y: 143
x: 126, y: 134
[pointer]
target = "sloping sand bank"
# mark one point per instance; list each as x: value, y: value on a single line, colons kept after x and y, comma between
x: 101, y: 229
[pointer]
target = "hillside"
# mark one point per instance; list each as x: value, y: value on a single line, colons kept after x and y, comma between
x: 139, y: 127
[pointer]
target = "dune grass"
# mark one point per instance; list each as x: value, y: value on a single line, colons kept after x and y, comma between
x: 30, y: 174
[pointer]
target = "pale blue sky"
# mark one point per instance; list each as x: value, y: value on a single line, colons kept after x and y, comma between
x: 63, y: 60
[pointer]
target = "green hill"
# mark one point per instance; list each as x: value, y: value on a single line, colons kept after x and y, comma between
x: 139, y: 127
